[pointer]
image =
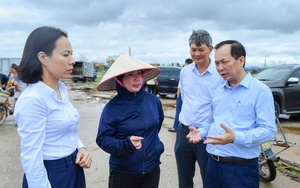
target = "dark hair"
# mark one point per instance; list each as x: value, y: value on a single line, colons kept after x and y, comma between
x: 188, y: 61
x: 14, y: 66
x: 237, y: 49
x: 42, y: 39
x: 200, y: 37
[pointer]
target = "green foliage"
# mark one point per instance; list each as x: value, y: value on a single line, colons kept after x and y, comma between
x: 99, y: 78
x: 111, y: 59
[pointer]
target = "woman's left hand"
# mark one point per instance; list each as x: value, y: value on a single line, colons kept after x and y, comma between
x: 83, y: 158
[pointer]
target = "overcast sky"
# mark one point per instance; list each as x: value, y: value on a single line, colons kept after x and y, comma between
x: 156, y: 31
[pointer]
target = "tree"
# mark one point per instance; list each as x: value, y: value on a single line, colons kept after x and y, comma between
x: 111, y: 59
x: 178, y: 65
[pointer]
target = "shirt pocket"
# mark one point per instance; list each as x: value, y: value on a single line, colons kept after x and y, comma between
x: 243, y: 115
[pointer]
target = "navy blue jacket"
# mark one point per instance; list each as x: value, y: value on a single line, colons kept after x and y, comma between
x: 131, y: 114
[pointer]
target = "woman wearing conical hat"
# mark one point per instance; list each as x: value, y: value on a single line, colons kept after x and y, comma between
x: 129, y: 125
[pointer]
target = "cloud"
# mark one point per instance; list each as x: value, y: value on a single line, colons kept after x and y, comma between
x: 156, y: 31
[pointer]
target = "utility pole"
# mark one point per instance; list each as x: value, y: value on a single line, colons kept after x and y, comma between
x: 265, y: 64
x: 129, y: 51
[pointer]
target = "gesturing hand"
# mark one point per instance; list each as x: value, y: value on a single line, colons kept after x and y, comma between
x: 194, y: 135
x: 136, y: 141
x: 227, y: 137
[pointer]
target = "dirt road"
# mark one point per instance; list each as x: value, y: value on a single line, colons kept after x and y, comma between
x: 90, y: 109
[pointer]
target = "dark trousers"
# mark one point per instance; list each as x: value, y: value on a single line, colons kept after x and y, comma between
x: 126, y: 180
x: 178, y: 109
x: 63, y: 173
x: 186, y: 156
x: 229, y: 175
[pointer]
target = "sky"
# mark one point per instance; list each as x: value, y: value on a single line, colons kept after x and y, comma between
x: 156, y: 31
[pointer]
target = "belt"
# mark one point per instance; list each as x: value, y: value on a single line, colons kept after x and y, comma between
x: 58, y: 163
x: 186, y: 126
x: 231, y: 159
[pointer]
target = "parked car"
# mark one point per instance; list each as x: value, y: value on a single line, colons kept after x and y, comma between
x: 284, y: 83
x: 168, y: 80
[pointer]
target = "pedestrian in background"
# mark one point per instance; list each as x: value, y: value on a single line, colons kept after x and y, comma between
x: 179, y: 101
x: 3, y: 80
x: 129, y: 125
x: 18, y: 85
x: 197, y: 84
x: 52, y: 154
x: 10, y: 76
x: 151, y: 86
x: 10, y: 89
x: 242, y: 118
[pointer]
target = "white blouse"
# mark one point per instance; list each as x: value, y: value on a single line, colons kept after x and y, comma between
x: 47, y: 129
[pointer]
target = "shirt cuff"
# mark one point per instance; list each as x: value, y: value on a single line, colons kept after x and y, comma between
x: 80, y: 144
x: 239, y: 138
x: 203, y: 132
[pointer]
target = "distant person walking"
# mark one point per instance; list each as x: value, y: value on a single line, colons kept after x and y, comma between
x: 151, y: 86
x: 18, y: 85
x: 179, y: 101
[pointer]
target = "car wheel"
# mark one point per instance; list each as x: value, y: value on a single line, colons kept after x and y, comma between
x: 277, y: 109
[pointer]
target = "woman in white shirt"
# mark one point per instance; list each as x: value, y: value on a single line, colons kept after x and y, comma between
x: 52, y: 154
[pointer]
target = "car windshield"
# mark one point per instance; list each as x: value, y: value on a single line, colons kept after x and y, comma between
x: 272, y: 74
x: 169, y: 72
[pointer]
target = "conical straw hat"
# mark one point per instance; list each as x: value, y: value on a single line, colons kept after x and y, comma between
x: 124, y: 64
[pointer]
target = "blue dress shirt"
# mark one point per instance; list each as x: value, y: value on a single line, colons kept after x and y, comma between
x: 247, y: 109
x: 196, y: 93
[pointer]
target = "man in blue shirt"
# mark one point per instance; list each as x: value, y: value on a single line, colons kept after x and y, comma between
x: 242, y: 118
x: 197, y: 84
